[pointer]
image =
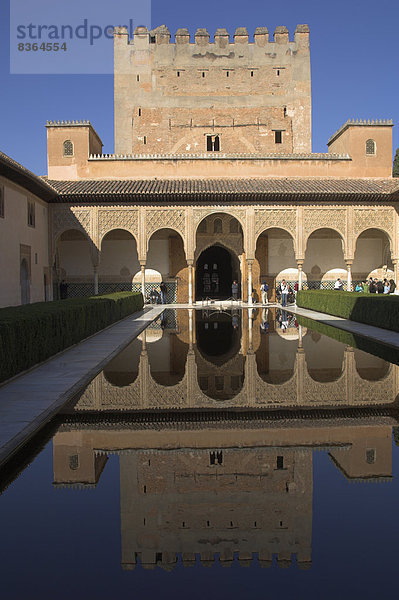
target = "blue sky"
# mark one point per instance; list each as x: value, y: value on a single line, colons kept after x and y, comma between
x: 354, y: 55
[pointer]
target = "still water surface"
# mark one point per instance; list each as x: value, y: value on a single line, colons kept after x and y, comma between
x: 221, y: 454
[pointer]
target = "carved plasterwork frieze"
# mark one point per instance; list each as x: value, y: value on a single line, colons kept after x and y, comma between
x: 70, y: 217
x: 325, y: 218
x: 118, y: 218
x: 283, y: 218
x: 377, y: 218
x: 167, y: 218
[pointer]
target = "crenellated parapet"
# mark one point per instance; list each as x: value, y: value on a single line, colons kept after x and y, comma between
x: 249, y: 90
x: 162, y: 35
x: 168, y: 560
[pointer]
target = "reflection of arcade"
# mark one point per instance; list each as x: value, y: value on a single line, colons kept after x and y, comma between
x: 220, y: 364
x: 215, y: 483
x: 241, y: 363
x: 206, y: 489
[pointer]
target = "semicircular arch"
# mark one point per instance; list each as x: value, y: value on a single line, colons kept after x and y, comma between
x: 204, y: 214
x: 319, y: 228
x: 112, y: 228
x: 225, y: 245
x: 385, y: 233
x: 169, y: 229
x: 277, y: 228
x: 78, y: 228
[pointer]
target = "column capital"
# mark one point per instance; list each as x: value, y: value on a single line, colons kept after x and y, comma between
x: 142, y: 264
x: 190, y: 262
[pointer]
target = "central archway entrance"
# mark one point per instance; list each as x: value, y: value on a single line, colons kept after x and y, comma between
x: 216, y: 270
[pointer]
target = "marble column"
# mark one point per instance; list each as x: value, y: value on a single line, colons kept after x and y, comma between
x: 300, y: 273
x: 349, y: 278
x: 142, y: 267
x: 95, y: 272
x: 249, y: 266
x: 190, y: 282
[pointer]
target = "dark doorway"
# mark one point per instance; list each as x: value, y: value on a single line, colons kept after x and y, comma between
x: 215, y: 273
x: 25, y: 283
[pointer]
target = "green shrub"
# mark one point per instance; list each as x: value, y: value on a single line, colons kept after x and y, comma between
x: 379, y: 310
x: 388, y: 353
x: 32, y: 333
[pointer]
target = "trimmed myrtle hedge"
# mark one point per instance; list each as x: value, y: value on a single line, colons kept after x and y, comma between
x: 380, y: 310
x: 32, y: 333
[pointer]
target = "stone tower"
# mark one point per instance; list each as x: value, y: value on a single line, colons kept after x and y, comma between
x: 191, y: 98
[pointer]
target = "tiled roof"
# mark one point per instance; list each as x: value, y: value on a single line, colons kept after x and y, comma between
x: 15, y: 172
x: 128, y: 190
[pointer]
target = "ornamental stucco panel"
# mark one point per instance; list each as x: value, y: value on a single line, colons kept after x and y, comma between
x: 324, y: 218
x: 167, y: 218
x: 69, y: 217
x: 377, y: 218
x: 118, y: 218
x: 283, y: 218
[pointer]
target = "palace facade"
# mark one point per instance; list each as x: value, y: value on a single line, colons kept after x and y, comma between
x: 212, y: 180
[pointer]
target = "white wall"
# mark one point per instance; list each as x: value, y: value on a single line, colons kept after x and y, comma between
x: 281, y: 255
x: 117, y: 255
x: 368, y: 255
x: 325, y: 253
x: 14, y: 230
x: 158, y: 256
x: 75, y: 259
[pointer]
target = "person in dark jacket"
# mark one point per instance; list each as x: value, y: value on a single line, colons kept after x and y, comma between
x: 234, y: 290
x: 63, y: 290
x: 164, y: 290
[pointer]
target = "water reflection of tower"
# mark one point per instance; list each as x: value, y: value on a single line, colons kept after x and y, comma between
x: 208, y: 502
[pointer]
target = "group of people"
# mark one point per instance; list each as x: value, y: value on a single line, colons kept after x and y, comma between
x: 371, y: 286
x: 376, y: 286
x: 156, y: 297
x: 284, y: 292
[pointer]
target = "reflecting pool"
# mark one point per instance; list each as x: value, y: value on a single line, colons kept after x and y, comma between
x: 218, y: 438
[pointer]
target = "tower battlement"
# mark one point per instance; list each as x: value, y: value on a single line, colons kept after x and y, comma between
x: 227, y: 94
x: 162, y: 35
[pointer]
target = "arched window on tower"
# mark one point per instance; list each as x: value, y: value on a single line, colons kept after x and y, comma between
x: 68, y: 148
x: 370, y: 147
x: 217, y: 226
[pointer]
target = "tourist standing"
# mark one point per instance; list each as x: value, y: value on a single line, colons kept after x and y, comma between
x: 379, y: 286
x: 164, y: 290
x: 284, y: 293
x: 386, y: 286
x: 359, y: 287
x: 264, y: 288
x: 63, y: 290
x: 234, y: 290
x: 154, y: 296
x: 392, y: 286
x: 372, y: 286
